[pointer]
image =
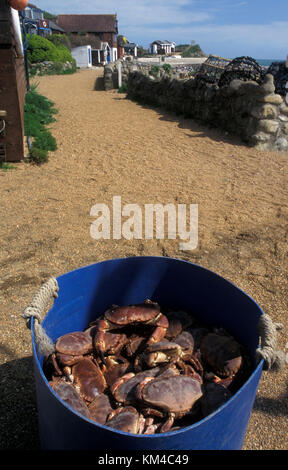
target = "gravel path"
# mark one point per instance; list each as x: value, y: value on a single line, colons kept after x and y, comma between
x: 109, y: 146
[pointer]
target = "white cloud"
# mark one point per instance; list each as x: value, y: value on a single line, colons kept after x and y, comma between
x: 138, y: 13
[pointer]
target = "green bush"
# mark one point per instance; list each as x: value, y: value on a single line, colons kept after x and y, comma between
x: 39, y: 111
x: 60, y: 40
x: 41, y: 49
x: 155, y: 69
x: 38, y: 155
x: 167, y: 68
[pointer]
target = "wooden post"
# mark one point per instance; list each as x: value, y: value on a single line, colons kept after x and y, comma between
x: 119, y: 75
x: 12, y: 89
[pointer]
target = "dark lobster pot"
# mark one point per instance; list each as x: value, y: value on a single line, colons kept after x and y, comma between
x: 84, y: 294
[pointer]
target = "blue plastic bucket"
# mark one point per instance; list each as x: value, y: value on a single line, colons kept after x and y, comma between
x: 86, y: 293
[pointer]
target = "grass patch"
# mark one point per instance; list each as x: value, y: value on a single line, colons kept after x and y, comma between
x: 39, y: 112
x: 7, y: 166
x: 123, y: 88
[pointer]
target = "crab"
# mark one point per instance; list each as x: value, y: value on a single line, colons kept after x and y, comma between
x: 186, y: 341
x: 210, y: 377
x: 222, y: 353
x: 173, y: 396
x: 178, y: 321
x: 88, y: 379
x: 71, y: 347
x: 100, y: 408
x: 134, y: 343
x: 114, y: 342
x: 168, y: 352
x: 198, y: 334
x: 115, y: 367
x: 214, y: 396
x: 163, y: 352
x: 124, y: 388
x: 147, y: 313
x: 126, y: 419
x: 67, y: 393
x: 150, y: 426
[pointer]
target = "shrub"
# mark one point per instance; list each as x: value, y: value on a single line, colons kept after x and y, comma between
x: 123, y: 88
x: 60, y: 40
x: 155, y: 69
x: 41, y: 49
x: 39, y: 111
x: 167, y: 68
x: 38, y: 155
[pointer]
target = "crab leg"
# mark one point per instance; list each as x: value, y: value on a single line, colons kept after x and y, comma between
x: 160, y: 330
x: 168, y: 424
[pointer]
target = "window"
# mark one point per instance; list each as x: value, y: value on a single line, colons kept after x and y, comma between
x: 28, y: 13
x: 37, y: 15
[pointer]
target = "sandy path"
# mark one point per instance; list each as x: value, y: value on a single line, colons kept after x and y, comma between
x: 109, y: 146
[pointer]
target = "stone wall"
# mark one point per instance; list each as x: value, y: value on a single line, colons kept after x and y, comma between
x: 51, y: 68
x: 252, y: 111
x: 178, y: 70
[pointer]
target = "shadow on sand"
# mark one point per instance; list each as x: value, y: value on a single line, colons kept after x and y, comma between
x: 197, y: 128
x: 18, y: 407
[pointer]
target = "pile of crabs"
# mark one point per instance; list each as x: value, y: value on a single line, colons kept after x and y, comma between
x: 142, y: 371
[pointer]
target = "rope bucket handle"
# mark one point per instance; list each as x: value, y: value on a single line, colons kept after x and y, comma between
x: 273, y: 359
x: 267, y: 329
x: 36, y: 309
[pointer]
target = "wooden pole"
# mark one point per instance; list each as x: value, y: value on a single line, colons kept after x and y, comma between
x: 119, y: 75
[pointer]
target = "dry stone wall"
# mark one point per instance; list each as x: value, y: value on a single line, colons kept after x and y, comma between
x: 177, y: 71
x: 250, y: 110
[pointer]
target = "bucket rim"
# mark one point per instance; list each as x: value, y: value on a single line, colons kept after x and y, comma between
x: 258, y: 368
x: 164, y: 258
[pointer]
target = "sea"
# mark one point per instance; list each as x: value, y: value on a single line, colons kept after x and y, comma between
x: 267, y: 62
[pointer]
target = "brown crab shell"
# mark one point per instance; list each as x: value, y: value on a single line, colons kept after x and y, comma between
x: 143, y: 313
x: 126, y: 419
x: 174, y: 394
x: 100, y: 408
x: 67, y: 393
x: 214, y: 396
x: 222, y: 353
x: 89, y: 379
x: 186, y: 341
x: 74, y: 344
x: 124, y: 388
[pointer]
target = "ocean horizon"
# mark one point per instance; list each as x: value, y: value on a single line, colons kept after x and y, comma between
x: 267, y: 62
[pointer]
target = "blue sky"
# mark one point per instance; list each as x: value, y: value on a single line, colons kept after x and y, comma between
x: 229, y: 28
